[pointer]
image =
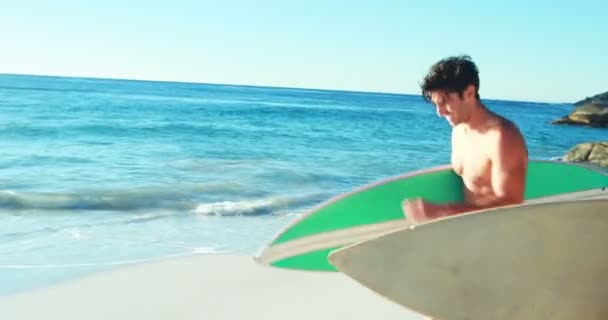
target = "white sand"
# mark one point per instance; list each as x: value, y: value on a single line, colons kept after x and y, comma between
x: 204, y: 287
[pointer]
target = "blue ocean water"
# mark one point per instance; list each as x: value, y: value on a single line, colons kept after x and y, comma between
x: 98, y: 173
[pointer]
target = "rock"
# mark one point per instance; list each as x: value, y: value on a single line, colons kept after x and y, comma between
x: 601, y: 98
x: 591, y: 111
x: 593, y: 152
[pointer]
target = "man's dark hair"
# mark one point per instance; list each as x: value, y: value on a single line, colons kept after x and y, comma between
x: 451, y: 75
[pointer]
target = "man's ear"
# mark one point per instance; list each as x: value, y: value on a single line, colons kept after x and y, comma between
x: 469, y: 92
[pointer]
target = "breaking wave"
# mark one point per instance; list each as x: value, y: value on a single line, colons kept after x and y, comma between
x: 211, y: 199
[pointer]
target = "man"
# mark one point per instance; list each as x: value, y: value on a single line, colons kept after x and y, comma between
x: 488, y: 151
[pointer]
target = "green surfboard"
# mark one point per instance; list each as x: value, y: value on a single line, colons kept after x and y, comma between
x: 375, y: 209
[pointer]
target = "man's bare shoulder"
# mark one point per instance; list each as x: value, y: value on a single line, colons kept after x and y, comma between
x: 508, y: 135
x: 505, y: 128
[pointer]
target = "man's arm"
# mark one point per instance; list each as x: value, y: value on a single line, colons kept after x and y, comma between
x: 509, y: 167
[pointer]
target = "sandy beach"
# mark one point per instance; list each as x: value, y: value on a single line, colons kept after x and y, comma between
x: 204, y: 287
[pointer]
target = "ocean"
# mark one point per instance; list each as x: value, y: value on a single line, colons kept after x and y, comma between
x: 98, y: 173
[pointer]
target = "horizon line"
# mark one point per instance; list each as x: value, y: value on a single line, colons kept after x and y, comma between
x: 259, y: 86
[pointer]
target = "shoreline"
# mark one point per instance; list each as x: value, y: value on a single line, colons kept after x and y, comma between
x: 205, y: 286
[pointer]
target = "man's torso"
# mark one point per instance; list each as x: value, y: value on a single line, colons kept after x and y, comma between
x: 472, y: 161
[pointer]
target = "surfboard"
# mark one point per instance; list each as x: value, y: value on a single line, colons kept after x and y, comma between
x: 375, y: 209
x: 537, y: 261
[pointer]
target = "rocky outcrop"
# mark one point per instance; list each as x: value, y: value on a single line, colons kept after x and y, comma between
x: 592, y: 111
x: 601, y: 98
x: 592, y: 152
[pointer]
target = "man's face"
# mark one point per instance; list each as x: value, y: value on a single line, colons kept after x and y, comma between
x: 450, y: 106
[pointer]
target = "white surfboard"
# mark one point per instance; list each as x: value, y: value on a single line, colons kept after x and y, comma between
x: 537, y: 261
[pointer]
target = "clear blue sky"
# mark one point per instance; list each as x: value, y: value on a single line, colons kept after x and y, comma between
x: 551, y: 51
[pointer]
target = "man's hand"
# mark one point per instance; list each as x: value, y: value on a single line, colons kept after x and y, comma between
x: 418, y: 211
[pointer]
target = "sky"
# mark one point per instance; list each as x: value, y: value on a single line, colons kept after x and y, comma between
x: 540, y: 51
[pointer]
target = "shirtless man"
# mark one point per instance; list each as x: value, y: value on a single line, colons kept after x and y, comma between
x: 488, y: 151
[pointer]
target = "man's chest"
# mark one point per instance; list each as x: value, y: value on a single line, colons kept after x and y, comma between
x: 470, y: 157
